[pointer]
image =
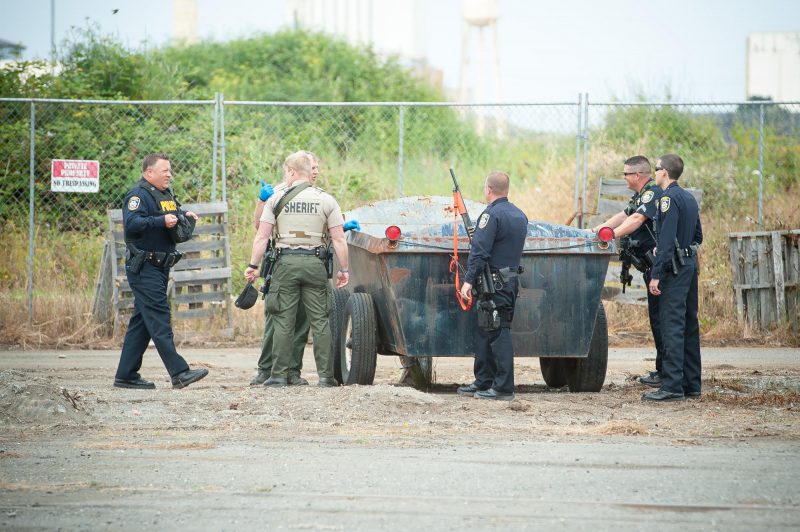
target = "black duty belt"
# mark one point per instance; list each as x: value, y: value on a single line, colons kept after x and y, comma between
x: 163, y: 259
x: 287, y: 251
x: 691, y: 251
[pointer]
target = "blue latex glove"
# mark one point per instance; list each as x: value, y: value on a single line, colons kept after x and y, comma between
x: 265, y: 192
x: 352, y: 224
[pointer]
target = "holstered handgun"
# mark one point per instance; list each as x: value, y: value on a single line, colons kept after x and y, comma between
x: 326, y: 256
x: 267, y: 266
x: 134, y: 258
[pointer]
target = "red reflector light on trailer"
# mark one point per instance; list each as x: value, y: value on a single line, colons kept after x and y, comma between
x: 605, y: 234
x: 393, y: 233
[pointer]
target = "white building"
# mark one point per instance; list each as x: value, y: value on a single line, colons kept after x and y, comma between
x: 395, y: 27
x: 773, y: 66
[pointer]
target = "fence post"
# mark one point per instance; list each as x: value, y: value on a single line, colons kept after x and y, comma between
x: 222, y: 147
x: 761, y: 167
x: 400, y: 152
x: 214, y: 149
x: 31, y: 191
x: 585, y: 157
x: 578, y: 157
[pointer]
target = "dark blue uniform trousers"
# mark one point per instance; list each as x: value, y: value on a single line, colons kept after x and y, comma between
x: 655, y: 323
x: 680, y: 329
x: 494, y: 353
x: 150, y: 319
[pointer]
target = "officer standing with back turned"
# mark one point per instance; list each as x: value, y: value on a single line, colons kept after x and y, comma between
x: 498, y: 240
x: 153, y: 223
x: 674, y: 281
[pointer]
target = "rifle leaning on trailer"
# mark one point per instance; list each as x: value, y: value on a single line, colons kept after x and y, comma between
x: 488, y: 317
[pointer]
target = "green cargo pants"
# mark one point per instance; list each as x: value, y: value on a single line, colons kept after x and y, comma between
x: 299, y: 341
x: 300, y: 280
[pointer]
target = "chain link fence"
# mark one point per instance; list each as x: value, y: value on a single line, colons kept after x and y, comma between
x: 220, y: 150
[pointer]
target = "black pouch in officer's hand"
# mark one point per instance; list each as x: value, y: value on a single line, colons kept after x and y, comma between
x: 182, y: 231
x: 247, y: 298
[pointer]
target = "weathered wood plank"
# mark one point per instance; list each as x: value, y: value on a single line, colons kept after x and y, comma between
x: 199, y: 297
x: 215, y: 274
x: 777, y: 268
x: 766, y: 276
x: 200, y: 263
x: 734, y: 247
x: 196, y: 313
x: 217, y: 244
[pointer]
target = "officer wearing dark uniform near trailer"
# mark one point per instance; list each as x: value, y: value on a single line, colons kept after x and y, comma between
x: 499, y: 239
x: 674, y: 281
x: 303, y: 223
x: 153, y: 222
x: 634, y: 225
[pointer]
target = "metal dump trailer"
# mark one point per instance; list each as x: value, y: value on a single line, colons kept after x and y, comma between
x: 401, y: 296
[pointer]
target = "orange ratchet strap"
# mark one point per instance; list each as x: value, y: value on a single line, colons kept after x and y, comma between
x: 459, y: 207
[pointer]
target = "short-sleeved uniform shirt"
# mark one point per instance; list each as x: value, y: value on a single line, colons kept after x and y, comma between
x: 313, y: 211
x: 645, y: 202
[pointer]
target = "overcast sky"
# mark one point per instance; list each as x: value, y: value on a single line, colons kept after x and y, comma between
x: 549, y: 50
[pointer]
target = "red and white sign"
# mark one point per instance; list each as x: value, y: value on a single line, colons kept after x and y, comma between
x: 75, y: 176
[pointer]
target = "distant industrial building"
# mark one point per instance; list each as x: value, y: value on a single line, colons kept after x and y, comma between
x: 10, y: 50
x: 393, y: 28
x: 773, y: 66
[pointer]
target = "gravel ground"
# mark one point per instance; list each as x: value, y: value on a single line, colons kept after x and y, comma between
x: 76, y: 453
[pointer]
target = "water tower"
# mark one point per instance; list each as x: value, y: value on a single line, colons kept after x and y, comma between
x: 480, y: 15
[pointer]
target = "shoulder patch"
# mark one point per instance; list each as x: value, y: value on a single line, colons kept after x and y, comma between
x: 134, y: 203
x: 665, y: 204
x: 647, y: 197
x: 484, y: 219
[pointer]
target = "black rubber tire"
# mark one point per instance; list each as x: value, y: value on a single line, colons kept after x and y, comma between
x: 589, y: 374
x: 336, y: 322
x: 554, y: 371
x: 360, y: 330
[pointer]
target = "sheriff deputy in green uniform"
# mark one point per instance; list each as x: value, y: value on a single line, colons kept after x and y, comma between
x: 302, y: 226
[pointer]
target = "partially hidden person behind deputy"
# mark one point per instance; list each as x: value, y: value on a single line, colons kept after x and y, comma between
x: 302, y: 325
x: 634, y: 225
x: 674, y: 282
x: 498, y: 240
x: 153, y: 223
x: 302, y: 226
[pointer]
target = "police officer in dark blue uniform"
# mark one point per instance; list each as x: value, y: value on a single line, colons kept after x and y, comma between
x: 674, y: 281
x: 635, y: 227
x: 498, y: 240
x: 153, y: 222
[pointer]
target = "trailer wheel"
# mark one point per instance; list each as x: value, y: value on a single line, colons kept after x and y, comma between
x: 589, y: 373
x: 358, y: 343
x: 554, y: 371
x: 336, y: 322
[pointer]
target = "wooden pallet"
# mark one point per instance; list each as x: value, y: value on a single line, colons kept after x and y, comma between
x: 765, y: 267
x: 199, y: 285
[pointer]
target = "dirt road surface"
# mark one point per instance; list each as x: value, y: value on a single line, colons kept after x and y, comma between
x: 78, y: 454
